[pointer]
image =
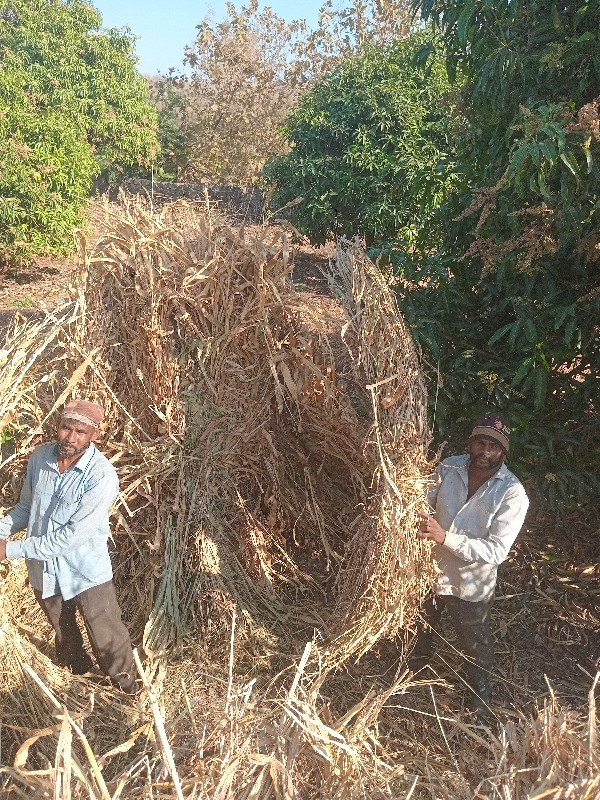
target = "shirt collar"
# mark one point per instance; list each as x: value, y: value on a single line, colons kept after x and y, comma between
x: 503, y: 473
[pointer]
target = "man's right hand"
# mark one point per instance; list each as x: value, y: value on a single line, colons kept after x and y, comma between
x: 431, y: 529
x: 2, y: 550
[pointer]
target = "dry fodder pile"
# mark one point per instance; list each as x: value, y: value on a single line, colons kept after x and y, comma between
x: 258, y: 453
x: 255, y: 502
x: 243, y: 464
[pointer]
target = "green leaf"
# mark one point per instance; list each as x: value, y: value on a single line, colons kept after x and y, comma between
x: 540, y: 384
x: 514, y: 333
x: 548, y: 150
x: 463, y: 21
x: 530, y: 330
x: 500, y: 333
x: 570, y: 163
x: 588, y: 157
x: 518, y: 160
x: 562, y: 314
x: 569, y: 332
x: 522, y: 372
x: 534, y: 151
x: 544, y: 190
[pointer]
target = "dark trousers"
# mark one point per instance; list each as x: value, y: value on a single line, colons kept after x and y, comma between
x: 108, y: 635
x: 472, y: 623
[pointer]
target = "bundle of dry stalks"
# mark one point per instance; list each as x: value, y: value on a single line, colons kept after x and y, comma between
x: 387, y: 570
x: 242, y: 461
x: 554, y: 755
x: 558, y: 748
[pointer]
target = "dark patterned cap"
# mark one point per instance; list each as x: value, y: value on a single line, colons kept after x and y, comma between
x: 495, y: 426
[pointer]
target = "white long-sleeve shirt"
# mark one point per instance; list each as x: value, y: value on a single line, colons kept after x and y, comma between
x: 479, y: 531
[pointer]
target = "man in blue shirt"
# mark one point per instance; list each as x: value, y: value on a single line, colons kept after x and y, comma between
x: 67, y: 493
x: 480, y: 507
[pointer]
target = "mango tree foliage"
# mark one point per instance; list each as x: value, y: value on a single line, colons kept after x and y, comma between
x: 507, y: 307
x: 173, y: 149
x: 71, y: 106
x: 365, y: 145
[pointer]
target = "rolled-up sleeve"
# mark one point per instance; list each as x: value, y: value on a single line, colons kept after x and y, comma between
x: 503, y: 530
x: 66, y: 537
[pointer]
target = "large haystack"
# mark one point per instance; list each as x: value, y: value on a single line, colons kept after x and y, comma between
x: 264, y: 536
x: 245, y: 468
x: 249, y: 480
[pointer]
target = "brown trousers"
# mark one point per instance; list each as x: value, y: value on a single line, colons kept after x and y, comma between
x: 108, y: 635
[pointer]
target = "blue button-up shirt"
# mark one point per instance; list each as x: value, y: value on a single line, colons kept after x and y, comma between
x: 66, y: 517
x: 479, y: 531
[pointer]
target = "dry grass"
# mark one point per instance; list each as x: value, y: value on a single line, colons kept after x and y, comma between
x: 387, y: 569
x: 264, y: 539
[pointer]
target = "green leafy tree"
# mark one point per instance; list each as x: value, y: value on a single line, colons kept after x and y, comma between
x: 173, y: 150
x: 506, y: 308
x: 71, y: 107
x: 365, y: 144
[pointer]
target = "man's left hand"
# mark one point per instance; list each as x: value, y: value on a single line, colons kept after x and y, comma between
x: 431, y: 529
x: 2, y: 550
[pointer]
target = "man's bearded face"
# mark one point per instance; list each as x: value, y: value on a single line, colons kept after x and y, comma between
x: 486, y: 453
x: 73, y: 438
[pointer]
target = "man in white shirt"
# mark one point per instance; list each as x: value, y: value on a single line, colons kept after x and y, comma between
x: 479, y: 507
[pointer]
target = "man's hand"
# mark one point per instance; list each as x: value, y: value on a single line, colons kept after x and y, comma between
x: 2, y: 550
x: 431, y: 529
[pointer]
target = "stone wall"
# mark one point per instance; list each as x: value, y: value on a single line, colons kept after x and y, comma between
x: 242, y: 205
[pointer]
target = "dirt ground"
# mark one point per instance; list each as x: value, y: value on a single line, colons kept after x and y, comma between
x: 44, y: 283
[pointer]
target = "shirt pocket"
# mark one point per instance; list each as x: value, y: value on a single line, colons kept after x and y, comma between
x: 475, y: 518
x: 487, y: 505
x: 90, y: 561
x: 64, y: 509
